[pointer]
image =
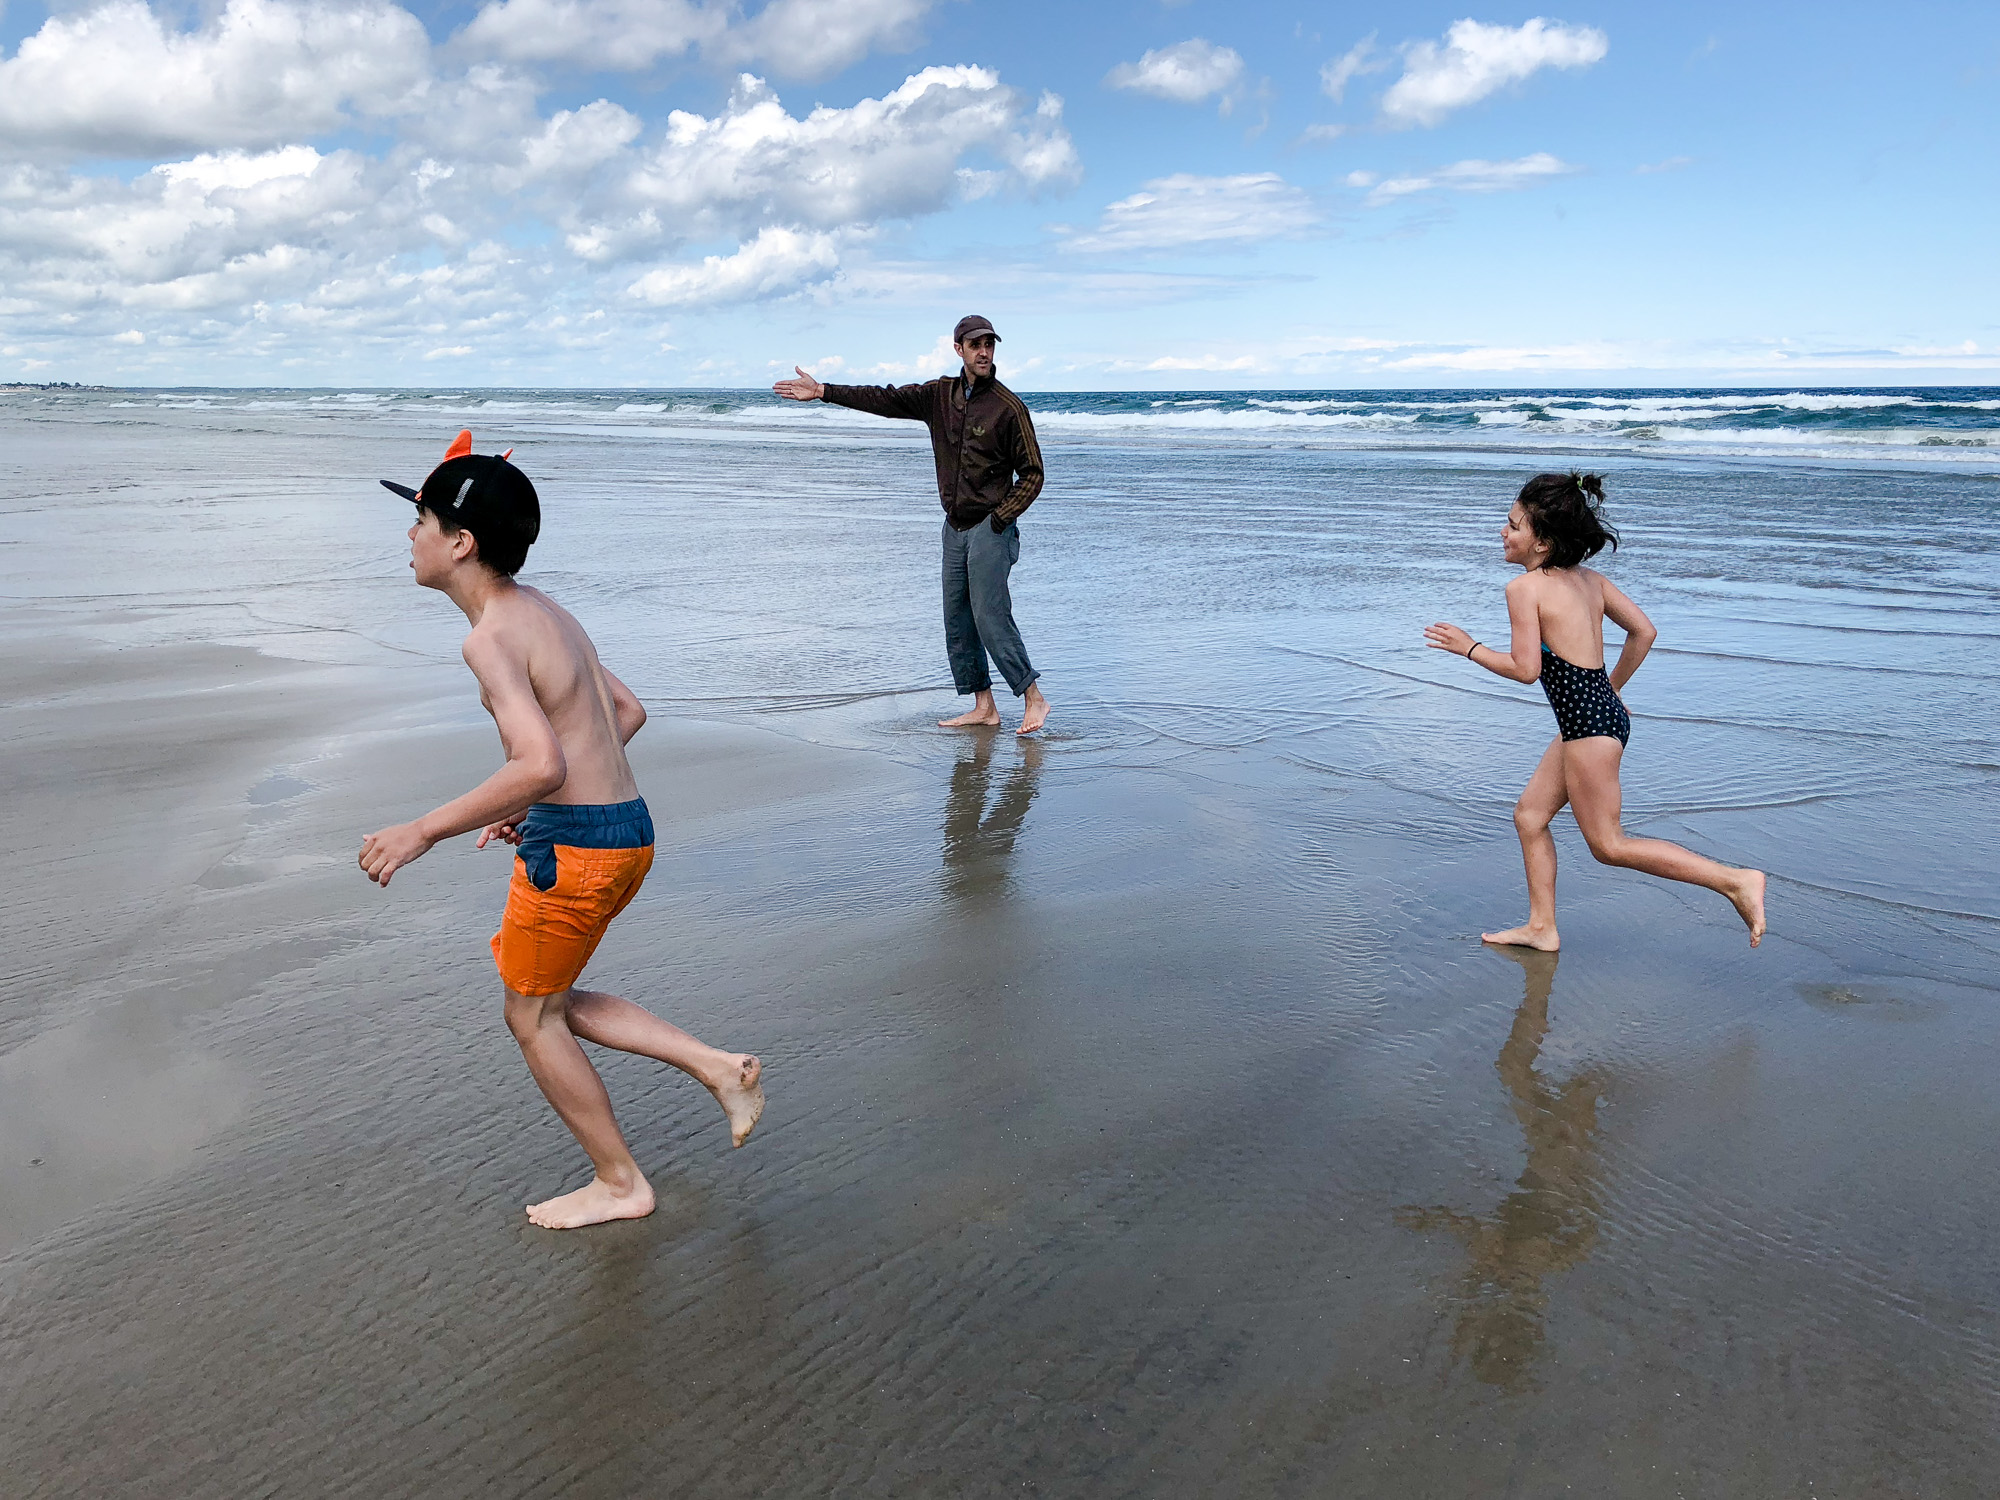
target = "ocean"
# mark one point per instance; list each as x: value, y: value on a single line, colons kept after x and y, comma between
x: 1147, y: 1117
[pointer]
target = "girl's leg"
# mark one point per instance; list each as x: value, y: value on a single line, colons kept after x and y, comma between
x: 732, y: 1077
x: 1590, y: 770
x: 1541, y: 800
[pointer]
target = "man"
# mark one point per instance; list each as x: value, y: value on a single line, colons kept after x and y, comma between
x: 989, y: 470
x: 567, y: 800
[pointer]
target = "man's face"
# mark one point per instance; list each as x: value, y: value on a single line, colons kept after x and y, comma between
x: 977, y: 352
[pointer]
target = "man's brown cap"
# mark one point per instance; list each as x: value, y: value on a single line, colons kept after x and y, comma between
x: 970, y: 324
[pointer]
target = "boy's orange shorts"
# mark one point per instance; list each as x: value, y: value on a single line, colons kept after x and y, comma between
x: 578, y: 866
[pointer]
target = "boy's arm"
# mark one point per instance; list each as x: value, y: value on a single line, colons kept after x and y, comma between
x: 535, y: 765
x: 1639, y: 632
x: 625, y: 703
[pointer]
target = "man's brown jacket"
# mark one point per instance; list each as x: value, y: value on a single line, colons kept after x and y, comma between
x: 989, y: 466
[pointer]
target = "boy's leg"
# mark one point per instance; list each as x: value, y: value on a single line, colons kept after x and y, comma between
x: 733, y: 1077
x: 570, y: 1084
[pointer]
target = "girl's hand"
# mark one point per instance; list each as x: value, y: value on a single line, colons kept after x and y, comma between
x: 1445, y: 637
x: 507, y: 833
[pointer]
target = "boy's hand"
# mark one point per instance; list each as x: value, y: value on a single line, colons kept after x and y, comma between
x: 507, y: 833
x: 386, y: 852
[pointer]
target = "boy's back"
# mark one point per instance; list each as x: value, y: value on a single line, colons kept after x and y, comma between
x: 525, y: 633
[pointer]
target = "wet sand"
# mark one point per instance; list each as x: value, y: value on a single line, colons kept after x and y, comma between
x: 1145, y: 1119
x: 1126, y: 1137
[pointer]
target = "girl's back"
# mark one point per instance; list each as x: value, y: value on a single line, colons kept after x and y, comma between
x: 1569, y: 605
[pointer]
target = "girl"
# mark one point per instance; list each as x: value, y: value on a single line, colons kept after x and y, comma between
x: 1556, y: 611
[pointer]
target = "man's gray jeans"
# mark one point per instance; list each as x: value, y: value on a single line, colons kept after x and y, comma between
x: 979, y: 612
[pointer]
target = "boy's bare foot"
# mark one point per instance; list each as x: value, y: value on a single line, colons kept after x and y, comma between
x: 1542, y: 939
x: 1749, y: 902
x: 596, y: 1202
x: 741, y: 1095
x: 1035, y: 713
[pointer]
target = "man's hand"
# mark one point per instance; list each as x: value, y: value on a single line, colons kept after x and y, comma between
x: 386, y: 852
x: 506, y: 833
x: 805, y: 388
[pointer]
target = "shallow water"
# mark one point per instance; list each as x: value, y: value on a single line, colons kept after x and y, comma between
x: 1146, y: 1118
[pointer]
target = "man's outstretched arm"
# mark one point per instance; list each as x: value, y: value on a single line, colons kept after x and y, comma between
x: 910, y: 402
x: 535, y: 766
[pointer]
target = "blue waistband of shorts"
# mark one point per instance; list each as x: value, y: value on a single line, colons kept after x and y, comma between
x: 589, y: 825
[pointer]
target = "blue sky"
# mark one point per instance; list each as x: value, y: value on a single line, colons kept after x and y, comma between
x: 1140, y: 194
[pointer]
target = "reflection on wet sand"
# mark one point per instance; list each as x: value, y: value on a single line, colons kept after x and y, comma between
x: 1548, y: 1223
x: 978, y: 841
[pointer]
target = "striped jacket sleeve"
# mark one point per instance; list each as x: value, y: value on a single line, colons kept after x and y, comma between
x: 1027, y: 467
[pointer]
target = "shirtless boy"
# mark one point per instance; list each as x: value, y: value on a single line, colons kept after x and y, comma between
x: 567, y: 801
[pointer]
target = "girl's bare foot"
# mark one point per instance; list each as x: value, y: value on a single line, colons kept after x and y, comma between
x: 596, y: 1202
x: 741, y: 1095
x: 1542, y: 939
x: 1035, y: 713
x: 1748, y: 899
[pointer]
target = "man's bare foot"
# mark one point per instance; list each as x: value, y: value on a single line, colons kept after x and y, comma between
x: 973, y: 718
x: 1035, y: 713
x: 1542, y: 939
x: 1749, y: 903
x: 596, y: 1202
x: 741, y: 1095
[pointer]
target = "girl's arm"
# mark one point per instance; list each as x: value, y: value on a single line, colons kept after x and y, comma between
x: 1522, y: 660
x: 1639, y: 632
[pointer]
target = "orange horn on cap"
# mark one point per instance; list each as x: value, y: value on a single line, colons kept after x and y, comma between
x: 461, y: 446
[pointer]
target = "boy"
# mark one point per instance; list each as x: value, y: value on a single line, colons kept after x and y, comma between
x: 567, y: 800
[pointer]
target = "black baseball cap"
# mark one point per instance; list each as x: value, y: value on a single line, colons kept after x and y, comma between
x: 479, y: 493
x: 970, y: 324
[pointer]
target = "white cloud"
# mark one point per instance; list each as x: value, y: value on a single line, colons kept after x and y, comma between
x: 776, y: 262
x: 624, y: 34
x: 1187, y: 72
x: 576, y: 142
x: 755, y: 166
x: 1182, y: 210
x: 237, y: 169
x: 813, y: 38
x: 1476, y: 60
x: 116, y: 81
x: 1671, y: 164
x: 1471, y: 176
x: 129, y: 336
x: 796, y: 38
x: 1335, y: 76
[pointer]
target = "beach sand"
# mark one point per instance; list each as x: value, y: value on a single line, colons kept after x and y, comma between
x: 1122, y: 1141
x: 1145, y: 1116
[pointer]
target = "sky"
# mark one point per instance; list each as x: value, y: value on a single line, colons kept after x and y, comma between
x: 1141, y: 194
